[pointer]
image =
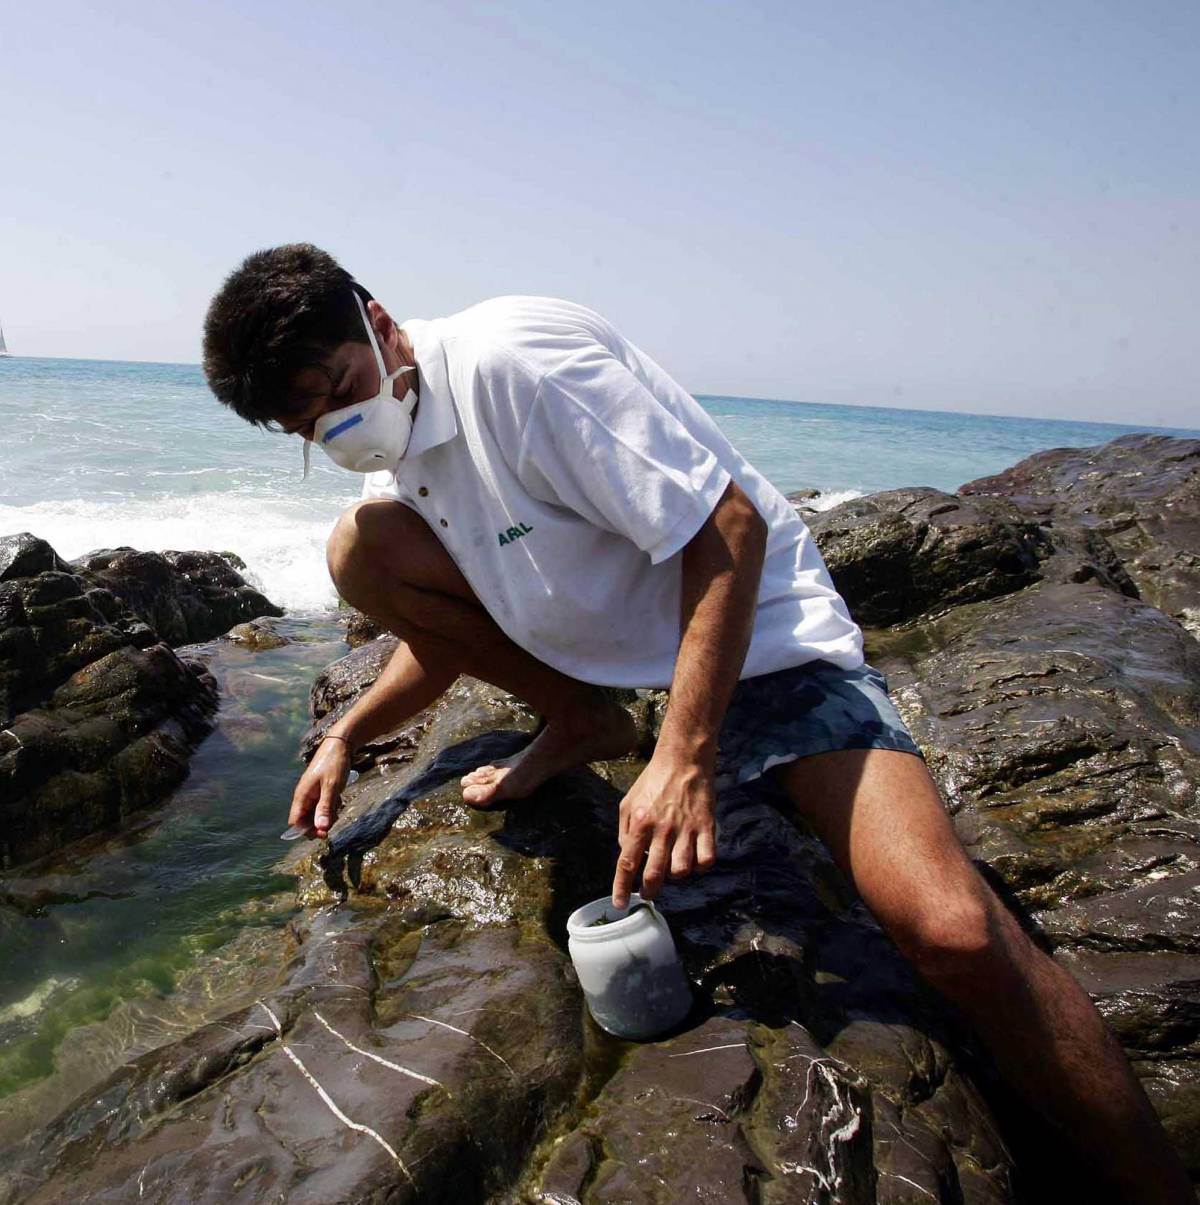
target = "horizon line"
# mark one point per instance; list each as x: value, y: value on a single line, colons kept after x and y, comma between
x: 1095, y: 422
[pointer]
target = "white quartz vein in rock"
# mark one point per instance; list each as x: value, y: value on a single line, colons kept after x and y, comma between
x: 331, y: 1104
x: 913, y: 1183
x: 687, y: 1054
x: 425, y: 1079
x: 708, y: 1104
x: 455, y: 1029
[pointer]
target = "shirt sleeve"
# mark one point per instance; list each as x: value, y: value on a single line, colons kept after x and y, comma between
x: 599, y: 443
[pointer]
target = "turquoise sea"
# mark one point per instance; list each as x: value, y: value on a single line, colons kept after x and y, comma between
x: 100, y: 453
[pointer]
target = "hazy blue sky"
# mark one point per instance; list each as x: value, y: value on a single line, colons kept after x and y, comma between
x: 975, y: 206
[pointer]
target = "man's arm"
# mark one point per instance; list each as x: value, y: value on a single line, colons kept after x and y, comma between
x: 669, y: 810
x: 408, y: 683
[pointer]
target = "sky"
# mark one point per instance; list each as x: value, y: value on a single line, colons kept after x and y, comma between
x: 984, y: 207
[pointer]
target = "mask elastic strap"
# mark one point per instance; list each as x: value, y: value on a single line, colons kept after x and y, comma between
x: 385, y: 378
x: 362, y: 309
x: 307, y: 458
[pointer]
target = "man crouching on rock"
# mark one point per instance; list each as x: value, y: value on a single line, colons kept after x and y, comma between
x: 547, y: 510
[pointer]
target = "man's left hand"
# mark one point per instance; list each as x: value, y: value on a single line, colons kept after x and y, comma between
x: 669, y: 813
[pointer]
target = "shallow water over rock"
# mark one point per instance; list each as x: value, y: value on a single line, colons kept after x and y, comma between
x: 126, y: 942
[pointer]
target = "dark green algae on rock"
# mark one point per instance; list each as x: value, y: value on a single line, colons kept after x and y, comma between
x: 186, y: 597
x: 97, y: 716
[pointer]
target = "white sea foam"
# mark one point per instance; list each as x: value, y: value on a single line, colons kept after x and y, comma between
x: 828, y: 499
x: 283, y: 544
x: 281, y: 540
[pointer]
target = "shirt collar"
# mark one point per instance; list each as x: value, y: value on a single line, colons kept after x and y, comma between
x: 436, y: 422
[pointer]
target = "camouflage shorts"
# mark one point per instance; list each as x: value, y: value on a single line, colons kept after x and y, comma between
x: 812, y: 708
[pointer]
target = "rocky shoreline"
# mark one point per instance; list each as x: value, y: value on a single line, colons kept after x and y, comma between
x: 425, y: 1039
x: 98, y: 715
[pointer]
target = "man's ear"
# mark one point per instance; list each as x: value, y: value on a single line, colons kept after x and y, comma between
x: 381, y: 320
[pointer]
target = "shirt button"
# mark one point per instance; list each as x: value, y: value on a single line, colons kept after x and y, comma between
x: 423, y: 492
x: 443, y: 523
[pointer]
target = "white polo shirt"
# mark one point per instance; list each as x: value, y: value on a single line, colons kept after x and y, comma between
x: 564, y: 472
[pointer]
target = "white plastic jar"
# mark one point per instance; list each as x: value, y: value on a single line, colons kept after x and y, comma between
x: 628, y: 968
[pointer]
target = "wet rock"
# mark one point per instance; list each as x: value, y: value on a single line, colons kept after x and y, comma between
x: 1059, y: 714
x: 1062, y: 724
x: 334, y: 692
x: 904, y: 553
x: 804, y: 500
x: 446, y: 959
x: 341, y: 682
x: 98, y: 714
x: 724, y: 1112
x: 113, y: 740
x: 51, y: 626
x: 186, y: 597
x: 1140, y: 491
x: 24, y: 555
x: 403, y: 1059
x: 256, y: 635
x: 813, y: 1117
x: 1149, y: 997
x: 1159, y: 915
x: 360, y: 629
x: 668, y: 1125
x: 767, y: 936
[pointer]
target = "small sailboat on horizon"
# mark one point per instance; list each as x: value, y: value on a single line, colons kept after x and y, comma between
x: 3, y: 346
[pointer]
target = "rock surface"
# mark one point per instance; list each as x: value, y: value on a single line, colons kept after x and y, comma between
x: 361, y: 628
x: 97, y: 714
x: 256, y: 635
x: 1060, y: 714
x: 430, y: 1042
x: 1141, y: 492
x: 446, y: 960
x: 906, y: 553
x: 186, y: 597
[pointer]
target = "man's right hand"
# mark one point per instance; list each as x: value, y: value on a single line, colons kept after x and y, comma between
x: 318, y: 794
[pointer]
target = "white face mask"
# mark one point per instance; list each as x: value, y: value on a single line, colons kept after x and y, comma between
x: 369, y: 435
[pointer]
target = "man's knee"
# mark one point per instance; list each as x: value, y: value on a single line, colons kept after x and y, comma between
x: 384, y: 560
x: 368, y: 544
x: 959, y: 941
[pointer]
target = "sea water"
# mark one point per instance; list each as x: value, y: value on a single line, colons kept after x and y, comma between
x: 127, y: 940
x: 99, y: 453
x: 135, y: 937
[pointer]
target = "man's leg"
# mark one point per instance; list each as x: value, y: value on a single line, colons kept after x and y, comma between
x: 385, y: 561
x: 881, y: 816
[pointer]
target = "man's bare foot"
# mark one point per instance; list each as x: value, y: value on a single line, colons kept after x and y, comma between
x: 598, y: 735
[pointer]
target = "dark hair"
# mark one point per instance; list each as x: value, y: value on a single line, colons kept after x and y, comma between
x: 280, y: 311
